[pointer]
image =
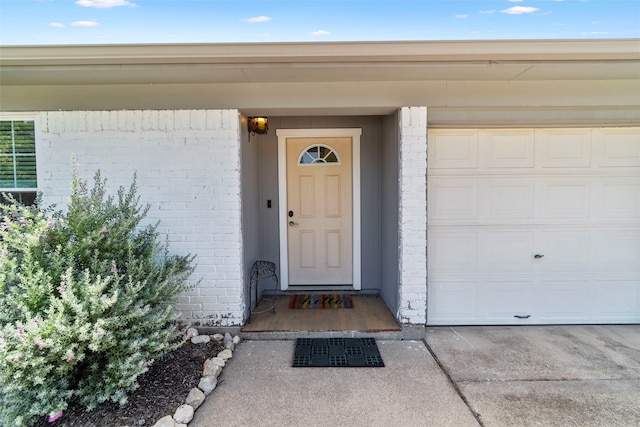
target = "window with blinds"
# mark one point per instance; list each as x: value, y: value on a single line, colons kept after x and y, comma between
x: 18, y: 160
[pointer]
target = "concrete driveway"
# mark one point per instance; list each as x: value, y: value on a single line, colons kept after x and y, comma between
x: 544, y: 376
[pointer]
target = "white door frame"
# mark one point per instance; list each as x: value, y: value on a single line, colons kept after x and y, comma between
x: 283, y: 134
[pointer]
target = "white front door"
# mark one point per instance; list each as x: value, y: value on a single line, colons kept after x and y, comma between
x: 318, y: 208
x: 319, y: 211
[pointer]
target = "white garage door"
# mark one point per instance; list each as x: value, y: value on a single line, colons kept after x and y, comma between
x: 534, y: 226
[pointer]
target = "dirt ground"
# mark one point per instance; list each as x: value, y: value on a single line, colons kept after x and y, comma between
x: 162, y: 389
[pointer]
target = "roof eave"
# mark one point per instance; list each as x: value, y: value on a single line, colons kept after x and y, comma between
x: 336, y: 52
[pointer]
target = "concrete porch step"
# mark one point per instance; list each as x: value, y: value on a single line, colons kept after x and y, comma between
x: 407, y: 332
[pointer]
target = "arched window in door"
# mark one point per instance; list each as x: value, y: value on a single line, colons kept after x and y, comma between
x: 318, y: 154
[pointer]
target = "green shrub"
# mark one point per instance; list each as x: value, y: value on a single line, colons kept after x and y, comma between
x: 86, y: 301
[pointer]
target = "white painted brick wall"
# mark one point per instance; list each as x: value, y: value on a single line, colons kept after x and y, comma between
x: 188, y: 168
x: 413, y: 215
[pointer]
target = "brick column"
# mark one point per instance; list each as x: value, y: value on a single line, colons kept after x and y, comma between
x: 412, y: 219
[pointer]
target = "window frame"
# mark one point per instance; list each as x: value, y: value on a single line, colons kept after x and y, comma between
x: 26, y: 117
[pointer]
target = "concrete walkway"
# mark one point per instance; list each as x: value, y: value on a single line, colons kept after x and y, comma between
x: 260, y: 388
x: 488, y: 376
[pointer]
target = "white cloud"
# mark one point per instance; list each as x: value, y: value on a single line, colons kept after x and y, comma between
x: 56, y: 25
x: 516, y: 1
x: 105, y: 4
x: 519, y: 10
x: 85, y: 24
x: 256, y: 19
x: 320, y: 33
x: 594, y: 33
x: 461, y: 16
x: 487, y: 12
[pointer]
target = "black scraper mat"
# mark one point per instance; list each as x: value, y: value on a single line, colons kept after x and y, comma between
x: 337, y: 352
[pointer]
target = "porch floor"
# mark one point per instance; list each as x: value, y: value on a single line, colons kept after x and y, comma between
x: 369, y: 314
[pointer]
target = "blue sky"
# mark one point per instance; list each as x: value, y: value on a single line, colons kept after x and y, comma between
x: 30, y: 22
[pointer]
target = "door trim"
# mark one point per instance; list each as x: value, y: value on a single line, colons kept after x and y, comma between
x: 354, y: 134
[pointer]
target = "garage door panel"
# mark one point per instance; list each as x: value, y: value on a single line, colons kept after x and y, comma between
x: 503, y: 300
x: 564, y: 251
x: 617, y: 148
x: 617, y: 198
x: 618, y: 300
x: 543, y: 300
x: 563, y: 148
x: 454, y: 300
x: 453, y: 251
x: 506, y: 251
x: 506, y: 199
x: 618, y: 250
x: 567, y: 198
x: 453, y: 199
x: 457, y: 150
x: 564, y: 300
x: 507, y: 149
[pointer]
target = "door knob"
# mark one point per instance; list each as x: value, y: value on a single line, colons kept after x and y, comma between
x: 292, y: 224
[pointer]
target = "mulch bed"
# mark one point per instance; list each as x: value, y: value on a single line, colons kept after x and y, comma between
x: 162, y: 389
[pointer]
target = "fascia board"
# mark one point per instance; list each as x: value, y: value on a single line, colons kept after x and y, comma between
x: 344, y: 52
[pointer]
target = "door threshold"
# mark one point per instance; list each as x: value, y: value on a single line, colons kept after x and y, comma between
x: 294, y: 289
x: 392, y: 334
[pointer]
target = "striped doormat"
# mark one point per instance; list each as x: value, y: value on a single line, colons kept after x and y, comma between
x: 301, y: 301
